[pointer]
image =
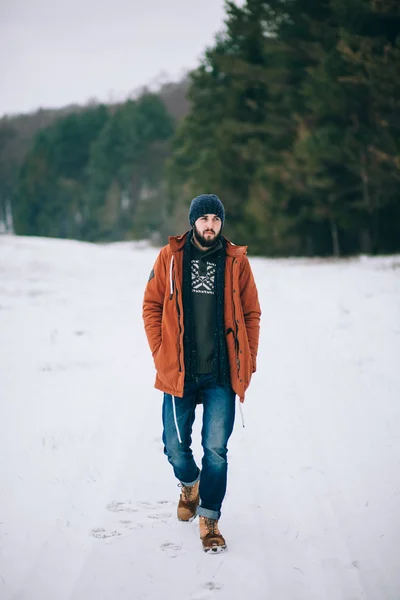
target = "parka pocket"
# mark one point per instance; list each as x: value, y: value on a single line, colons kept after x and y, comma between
x: 156, y: 356
x: 231, y: 345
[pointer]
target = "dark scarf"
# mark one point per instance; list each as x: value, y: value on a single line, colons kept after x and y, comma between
x: 220, y: 361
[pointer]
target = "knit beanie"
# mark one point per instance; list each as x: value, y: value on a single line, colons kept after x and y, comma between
x: 206, y: 204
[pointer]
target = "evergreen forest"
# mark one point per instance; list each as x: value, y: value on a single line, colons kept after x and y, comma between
x: 292, y: 118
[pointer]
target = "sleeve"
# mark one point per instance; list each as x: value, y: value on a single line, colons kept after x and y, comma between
x: 251, y: 308
x: 153, y: 303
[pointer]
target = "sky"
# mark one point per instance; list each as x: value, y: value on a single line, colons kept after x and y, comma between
x: 56, y: 53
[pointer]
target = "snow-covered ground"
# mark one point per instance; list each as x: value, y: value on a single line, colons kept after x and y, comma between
x: 87, y: 498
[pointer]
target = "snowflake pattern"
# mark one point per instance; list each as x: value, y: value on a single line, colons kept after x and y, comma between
x: 204, y: 283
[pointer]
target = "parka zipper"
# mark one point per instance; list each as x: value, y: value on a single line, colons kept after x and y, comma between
x: 235, y: 335
x: 180, y: 328
x: 171, y: 282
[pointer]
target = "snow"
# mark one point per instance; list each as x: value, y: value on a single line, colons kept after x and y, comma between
x: 87, y: 498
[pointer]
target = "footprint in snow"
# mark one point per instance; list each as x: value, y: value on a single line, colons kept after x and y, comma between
x: 141, y: 514
x: 213, y: 585
x: 171, y: 549
x: 121, y: 507
x: 102, y: 534
x: 206, y: 592
x: 160, y: 516
x: 151, y: 509
x: 130, y: 525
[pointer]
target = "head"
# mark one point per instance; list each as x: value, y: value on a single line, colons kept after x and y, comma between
x: 206, y: 216
x: 207, y: 230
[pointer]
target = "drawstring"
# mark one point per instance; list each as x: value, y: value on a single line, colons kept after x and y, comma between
x: 171, y: 284
x: 241, y: 412
x: 176, y: 420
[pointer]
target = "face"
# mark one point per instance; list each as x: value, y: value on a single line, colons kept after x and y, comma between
x: 207, y: 230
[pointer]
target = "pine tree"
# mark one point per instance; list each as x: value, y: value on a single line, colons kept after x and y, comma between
x: 49, y: 200
x: 126, y: 168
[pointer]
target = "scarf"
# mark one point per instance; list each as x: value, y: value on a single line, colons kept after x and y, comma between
x: 221, y: 373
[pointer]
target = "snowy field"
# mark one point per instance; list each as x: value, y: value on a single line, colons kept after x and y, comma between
x: 87, y: 498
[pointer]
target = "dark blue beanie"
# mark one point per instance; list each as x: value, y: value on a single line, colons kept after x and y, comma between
x: 206, y: 204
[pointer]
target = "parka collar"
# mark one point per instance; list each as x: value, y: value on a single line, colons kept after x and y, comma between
x: 177, y: 243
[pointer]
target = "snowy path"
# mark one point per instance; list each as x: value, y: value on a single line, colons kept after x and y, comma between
x: 87, y: 498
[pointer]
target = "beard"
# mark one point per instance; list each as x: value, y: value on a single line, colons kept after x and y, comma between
x: 206, y: 242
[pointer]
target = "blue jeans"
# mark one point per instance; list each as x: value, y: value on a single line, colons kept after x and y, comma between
x: 178, y: 415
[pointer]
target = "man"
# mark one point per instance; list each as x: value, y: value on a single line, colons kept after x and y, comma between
x: 202, y: 317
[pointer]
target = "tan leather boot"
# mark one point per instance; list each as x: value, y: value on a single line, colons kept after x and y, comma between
x: 211, y: 536
x: 188, y: 502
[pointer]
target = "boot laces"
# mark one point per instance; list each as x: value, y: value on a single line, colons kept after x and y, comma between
x: 187, y: 492
x: 211, y: 526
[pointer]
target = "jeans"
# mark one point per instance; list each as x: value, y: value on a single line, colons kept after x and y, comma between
x: 178, y: 415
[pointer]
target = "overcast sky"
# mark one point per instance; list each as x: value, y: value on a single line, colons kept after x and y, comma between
x: 53, y: 53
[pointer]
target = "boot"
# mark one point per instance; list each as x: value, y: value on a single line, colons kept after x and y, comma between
x: 211, y: 536
x: 188, y: 502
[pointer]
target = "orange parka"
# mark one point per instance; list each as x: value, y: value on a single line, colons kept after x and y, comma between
x: 163, y: 317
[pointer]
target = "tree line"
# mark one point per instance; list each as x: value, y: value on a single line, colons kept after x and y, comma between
x: 293, y: 119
